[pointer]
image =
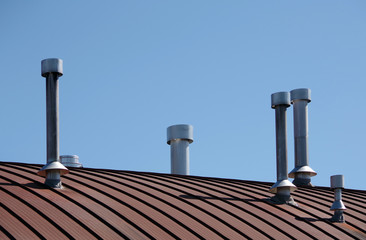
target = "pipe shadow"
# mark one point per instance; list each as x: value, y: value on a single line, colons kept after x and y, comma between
x: 305, y: 219
x: 29, y: 185
x: 198, y: 197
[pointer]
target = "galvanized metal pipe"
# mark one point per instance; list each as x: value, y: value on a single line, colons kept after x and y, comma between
x: 52, y: 69
x: 281, y: 142
x: 300, y: 109
x: 179, y: 155
x: 282, y: 188
x: 302, y: 172
x: 179, y: 137
x: 52, y: 102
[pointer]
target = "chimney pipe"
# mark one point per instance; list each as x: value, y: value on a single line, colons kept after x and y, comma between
x: 283, y: 187
x: 52, y: 69
x: 179, y: 137
x: 70, y: 161
x: 337, y: 183
x: 302, y: 172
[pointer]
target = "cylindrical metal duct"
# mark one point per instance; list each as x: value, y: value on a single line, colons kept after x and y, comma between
x: 283, y: 187
x: 337, y: 183
x: 52, y: 69
x: 302, y: 172
x: 179, y: 137
x: 70, y: 161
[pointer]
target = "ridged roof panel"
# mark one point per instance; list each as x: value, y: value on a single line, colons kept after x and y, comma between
x: 111, y: 204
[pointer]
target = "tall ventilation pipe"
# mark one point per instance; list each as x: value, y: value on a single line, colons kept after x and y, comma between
x: 52, y: 69
x: 302, y: 172
x: 283, y: 187
x: 179, y: 137
x: 337, y: 183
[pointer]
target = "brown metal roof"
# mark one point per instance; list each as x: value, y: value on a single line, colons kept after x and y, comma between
x: 111, y: 204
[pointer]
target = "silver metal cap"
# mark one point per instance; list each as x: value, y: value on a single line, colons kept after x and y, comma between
x: 302, y: 169
x: 53, y: 166
x: 70, y: 161
x: 281, y: 184
x: 338, y: 205
x: 180, y: 131
x: 301, y: 94
x: 337, y: 181
x: 52, y: 65
x: 280, y: 98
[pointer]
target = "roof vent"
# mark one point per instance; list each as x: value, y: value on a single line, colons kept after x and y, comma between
x: 70, y: 161
x: 302, y: 172
x: 283, y: 187
x: 179, y: 137
x: 337, y: 183
x: 52, y: 69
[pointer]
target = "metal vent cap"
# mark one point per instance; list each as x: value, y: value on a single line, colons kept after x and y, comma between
x: 301, y: 94
x: 52, y: 65
x: 280, y: 98
x: 53, y: 166
x: 70, y: 161
x: 180, y: 131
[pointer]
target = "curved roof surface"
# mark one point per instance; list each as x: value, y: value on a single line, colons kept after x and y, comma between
x: 111, y: 204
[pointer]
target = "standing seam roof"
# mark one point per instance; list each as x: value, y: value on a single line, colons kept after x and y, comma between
x: 112, y: 204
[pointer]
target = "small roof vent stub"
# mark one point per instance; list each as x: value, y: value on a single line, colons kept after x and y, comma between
x: 179, y: 137
x: 337, y: 183
x: 71, y: 161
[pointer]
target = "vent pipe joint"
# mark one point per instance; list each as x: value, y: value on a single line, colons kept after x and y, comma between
x: 179, y: 137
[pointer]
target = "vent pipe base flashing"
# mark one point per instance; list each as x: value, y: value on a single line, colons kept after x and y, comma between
x: 53, y: 179
x: 283, y: 199
x: 338, y: 217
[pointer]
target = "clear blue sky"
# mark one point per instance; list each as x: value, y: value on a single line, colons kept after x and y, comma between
x: 133, y: 68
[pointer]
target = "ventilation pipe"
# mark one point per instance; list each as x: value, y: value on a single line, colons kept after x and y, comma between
x: 70, y: 161
x: 179, y: 137
x: 52, y: 69
x: 302, y: 172
x: 283, y: 187
x: 337, y: 183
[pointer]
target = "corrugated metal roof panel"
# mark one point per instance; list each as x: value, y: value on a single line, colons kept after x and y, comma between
x: 110, y: 204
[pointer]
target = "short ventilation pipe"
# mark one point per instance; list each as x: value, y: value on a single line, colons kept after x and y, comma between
x: 283, y: 187
x: 302, y: 172
x: 52, y: 69
x: 179, y: 137
x: 337, y: 183
x: 71, y: 161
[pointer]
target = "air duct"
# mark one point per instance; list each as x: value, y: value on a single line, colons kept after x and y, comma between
x: 52, y: 69
x: 283, y: 187
x: 302, y: 172
x: 337, y: 183
x: 70, y: 161
x: 179, y: 137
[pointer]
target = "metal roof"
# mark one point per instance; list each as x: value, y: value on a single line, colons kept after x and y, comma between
x: 112, y: 204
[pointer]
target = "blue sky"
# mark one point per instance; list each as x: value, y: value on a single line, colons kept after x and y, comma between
x: 133, y: 68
